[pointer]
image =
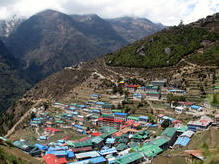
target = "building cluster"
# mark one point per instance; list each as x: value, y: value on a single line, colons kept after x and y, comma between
x: 119, y: 137
x: 110, y: 135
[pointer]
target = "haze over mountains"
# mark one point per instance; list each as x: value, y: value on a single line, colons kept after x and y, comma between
x: 50, y: 40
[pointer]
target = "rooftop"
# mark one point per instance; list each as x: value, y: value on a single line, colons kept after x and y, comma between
x: 129, y: 158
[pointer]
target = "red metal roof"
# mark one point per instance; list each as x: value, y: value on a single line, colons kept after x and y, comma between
x: 52, y: 130
x: 52, y: 159
x: 110, y: 120
x: 133, y: 86
x: 96, y: 134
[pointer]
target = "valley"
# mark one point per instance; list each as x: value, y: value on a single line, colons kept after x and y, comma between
x: 152, y: 101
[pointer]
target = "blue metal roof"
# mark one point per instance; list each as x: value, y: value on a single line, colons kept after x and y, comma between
x: 40, y: 146
x: 96, y: 111
x: 71, y: 108
x: 70, y: 154
x: 143, y: 117
x: 78, y: 126
x: 36, y: 119
x: 91, y: 160
x: 195, y: 107
x: 108, y: 151
x: 120, y: 114
x: 110, y: 140
x: 183, y: 141
x: 100, y: 103
x: 58, y: 153
x: 57, y: 148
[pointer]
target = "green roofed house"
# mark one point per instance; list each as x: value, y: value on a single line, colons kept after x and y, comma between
x: 182, y: 129
x: 134, y: 157
x: 97, y: 142
x: 123, y: 140
x: 23, y: 145
x: 116, y: 111
x: 153, y: 94
x: 132, y: 118
x: 171, y: 134
x: 141, y: 136
x: 133, y: 144
x: 151, y: 151
x: 121, y: 147
x: 80, y: 144
x: 161, y: 142
x: 108, y: 129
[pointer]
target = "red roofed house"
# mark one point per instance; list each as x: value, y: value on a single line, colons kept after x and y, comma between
x: 95, y: 134
x: 52, y: 159
x: 110, y: 122
x: 52, y: 130
x: 133, y: 87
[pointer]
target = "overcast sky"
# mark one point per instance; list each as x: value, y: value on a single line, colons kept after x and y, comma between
x: 168, y: 12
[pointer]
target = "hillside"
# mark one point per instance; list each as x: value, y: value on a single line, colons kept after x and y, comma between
x: 132, y: 29
x: 50, y: 40
x: 69, y: 83
x: 11, y: 82
x: 164, y: 48
x: 9, y: 25
x: 11, y: 155
x: 169, y: 46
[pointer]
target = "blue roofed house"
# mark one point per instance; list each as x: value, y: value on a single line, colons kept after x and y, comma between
x: 95, y: 160
x: 137, y: 96
x: 120, y: 116
x: 143, y: 118
x: 196, y: 107
x: 182, y: 141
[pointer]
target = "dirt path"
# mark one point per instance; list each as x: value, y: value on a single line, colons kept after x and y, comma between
x: 15, y: 125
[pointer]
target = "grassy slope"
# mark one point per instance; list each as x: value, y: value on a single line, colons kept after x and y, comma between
x: 209, y: 57
x: 150, y: 52
x: 11, y: 155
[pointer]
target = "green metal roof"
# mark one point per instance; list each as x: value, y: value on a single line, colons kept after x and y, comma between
x: 182, y: 128
x: 133, y: 118
x: 116, y: 110
x: 141, y: 135
x: 169, y: 132
x: 151, y: 150
x: 151, y: 92
x: 121, y: 147
x: 108, y: 129
x: 133, y: 144
x: 159, y: 141
x: 59, y: 121
x: 96, y: 140
x: 107, y: 115
x: 129, y: 158
x: 123, y: 140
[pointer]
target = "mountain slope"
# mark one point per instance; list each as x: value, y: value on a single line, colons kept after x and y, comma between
x: 50, y: 40
x: 68, y: 83
x: 8, y: 26
x: 164, y: 48
x: 12, y: 85
x: 132, y: 29
x: 99, y: 31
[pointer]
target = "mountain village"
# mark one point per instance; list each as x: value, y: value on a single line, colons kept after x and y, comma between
x: 102, y: 132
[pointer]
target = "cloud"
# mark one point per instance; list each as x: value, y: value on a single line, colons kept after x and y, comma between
x: 167, y: 12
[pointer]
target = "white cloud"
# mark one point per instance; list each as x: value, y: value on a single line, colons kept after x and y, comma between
x: 168, y: 12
